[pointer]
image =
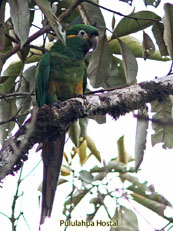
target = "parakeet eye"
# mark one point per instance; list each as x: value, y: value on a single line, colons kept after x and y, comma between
x: 82, y: 33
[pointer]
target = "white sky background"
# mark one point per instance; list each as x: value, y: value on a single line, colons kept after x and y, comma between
x: 156, y: 167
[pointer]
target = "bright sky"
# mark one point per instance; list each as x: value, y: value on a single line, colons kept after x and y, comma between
x: 156, y: 167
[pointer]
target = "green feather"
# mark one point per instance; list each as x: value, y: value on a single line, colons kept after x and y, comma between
x: 61, y: 73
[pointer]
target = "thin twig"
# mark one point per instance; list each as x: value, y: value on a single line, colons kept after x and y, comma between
x: 20, y: 95
x: 120, y: 14
x: 13, y: 207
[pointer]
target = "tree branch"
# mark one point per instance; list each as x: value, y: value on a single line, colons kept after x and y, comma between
x: 49, y: 122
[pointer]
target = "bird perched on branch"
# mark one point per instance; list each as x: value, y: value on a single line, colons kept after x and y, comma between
x: 61, y: 74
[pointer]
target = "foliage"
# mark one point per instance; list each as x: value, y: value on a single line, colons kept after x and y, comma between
x: 113, y: 64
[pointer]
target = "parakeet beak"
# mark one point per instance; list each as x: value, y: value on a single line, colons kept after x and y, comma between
x: 93, y: 40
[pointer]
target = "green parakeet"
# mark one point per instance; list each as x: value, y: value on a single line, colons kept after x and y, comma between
x: 61, y: 74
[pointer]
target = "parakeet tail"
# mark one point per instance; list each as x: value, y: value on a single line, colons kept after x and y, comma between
x: 52, y: 154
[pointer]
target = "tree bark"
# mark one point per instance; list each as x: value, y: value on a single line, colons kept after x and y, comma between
x: 50, y: 121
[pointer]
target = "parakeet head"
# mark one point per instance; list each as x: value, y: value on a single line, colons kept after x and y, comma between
x: 79, y: 40
x: 84, y: 32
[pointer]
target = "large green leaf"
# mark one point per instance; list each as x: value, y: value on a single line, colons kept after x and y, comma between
x: 158, y: 30
x: 136, y: 46
x: 128, y: 25
x: 129, y: 62
x: 117, y: 77
x: 163, y: 134
x: 91, y: 14
x: 168, y: 28
x: 99, y: 69
x: 20, y: 16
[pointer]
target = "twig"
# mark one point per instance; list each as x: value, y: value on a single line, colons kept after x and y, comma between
x: 21, y: 95
x: 120, y: 14
x: 32, y: 170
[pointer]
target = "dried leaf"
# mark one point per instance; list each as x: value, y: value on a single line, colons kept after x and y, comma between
x: 113, y: 22
x: 82, y: 152
x: 91, y: 145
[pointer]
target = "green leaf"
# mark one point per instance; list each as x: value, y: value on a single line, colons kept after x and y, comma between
x: 86, y: 176
x: 168, y: 27
x: 83, y: 123
x: 74, y: 199
x: 150, y: 204
x: 45, y: 7
x: 100, y: 176
x: 128, y: 25
x: 158, y: 30
x: 11, y: 74
x: 129, y: 62
x: 115, y: 166
x: 91, y: 14
x: 140, y: 141
x: 74, y: 133
x: 117, y: 77
x: 122, y: 154
x: 136, y: 46
x: 154, y: 3
x: 145, y: 190
x: 127, y: 219
x: 163, y: 134
x: 27, y: 85
x: 148, y: 46
x: 8, y: 109
x: 20, y: 16
x: 100, y: 64
x: 97, y: 204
